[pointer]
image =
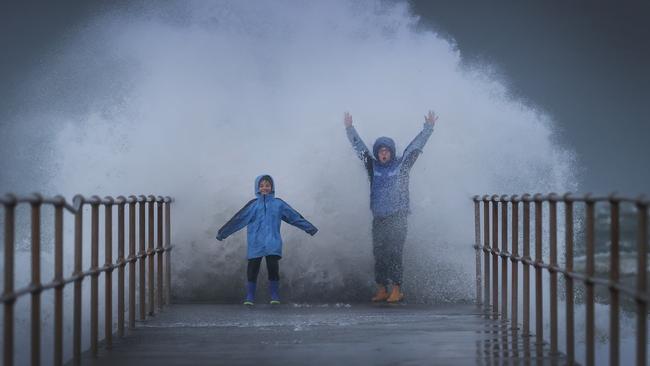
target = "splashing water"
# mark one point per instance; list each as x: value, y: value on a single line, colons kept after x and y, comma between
x: 196, y: 99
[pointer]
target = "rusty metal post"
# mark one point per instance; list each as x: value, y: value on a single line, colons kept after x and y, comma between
x: 94, y: 280
x: 8, y: 290
x: 589, y: 284
x: 515, y: 265
x: 495, y: 255
x: 122, y: 264
x: 614, y: 278
x: 142, y: 254
x: 78, y: 248
x: 641, y: 282
x: 108, y: 276
x: 159, y: 253
x: 477, y: 233
x: 486, y: 250
x: 150, y: 255
x: 539, y: 322
x: 168, y: 253
x: 58, y: 279
x: 36, y: 282
x: 568, y: 246
x: 553, y: 272
x: 526, y: 300
x: 132, y: 258
x: 504, y: 260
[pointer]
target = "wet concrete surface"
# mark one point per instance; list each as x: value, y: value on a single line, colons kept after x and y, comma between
x: 323, y: 334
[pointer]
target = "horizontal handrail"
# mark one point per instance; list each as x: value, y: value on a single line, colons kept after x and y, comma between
x: 574, y: 275
x: 10, y: 199
x: 567, y: 197
x: 30, y: 289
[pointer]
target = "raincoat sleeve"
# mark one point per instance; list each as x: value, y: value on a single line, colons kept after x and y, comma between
x: 237, y: 222
x: 415, y: 147
x: 291, y: 216
x: 360, y: 148
x: 357, y: 143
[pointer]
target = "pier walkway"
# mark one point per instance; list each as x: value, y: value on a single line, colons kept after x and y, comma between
x: 322, y: 334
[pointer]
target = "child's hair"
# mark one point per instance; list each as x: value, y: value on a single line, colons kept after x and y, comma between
x: 267, y: 178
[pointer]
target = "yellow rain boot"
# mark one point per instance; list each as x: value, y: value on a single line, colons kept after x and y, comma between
x: 381, y: 294
x: 396, y: 295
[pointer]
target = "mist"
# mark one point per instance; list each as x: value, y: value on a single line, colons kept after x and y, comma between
x: 194, y: 100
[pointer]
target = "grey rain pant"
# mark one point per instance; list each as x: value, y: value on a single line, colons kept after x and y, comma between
x: 388, y: 236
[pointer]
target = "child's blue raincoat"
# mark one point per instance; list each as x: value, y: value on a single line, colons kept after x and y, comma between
x: 262, y: 215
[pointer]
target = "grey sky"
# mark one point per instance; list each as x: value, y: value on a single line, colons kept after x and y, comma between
x: 584, y: 62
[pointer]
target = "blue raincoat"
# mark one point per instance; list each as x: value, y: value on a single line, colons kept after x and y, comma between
x: 389, y: 182
x: 262, y: 217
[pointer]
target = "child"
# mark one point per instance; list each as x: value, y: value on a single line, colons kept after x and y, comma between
x: 262, y: 215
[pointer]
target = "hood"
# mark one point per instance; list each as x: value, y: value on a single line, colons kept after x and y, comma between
x: 257, y: 185
x: 383, y: 142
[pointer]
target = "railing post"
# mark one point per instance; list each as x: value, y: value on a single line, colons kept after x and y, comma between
x: 486, y: 249
x: 78, y: 248
x: 108, y: 276
x: 94, y: 280
x: 8, y: 290
x: 614, y: 278
x: 36, y: 281
x: 641, y: 282
x: 539, y: 303
x: 526, y: 262
x: 495, y: 255
x: 515, y: 264
x: 133, y: 201
x: 504, y: 259
x: 122, y: 264
x: 168, y: 253
x: 142, y: 254
x: 553, y: 269
x: 58, y: 279
x: 568, y: 246
x: 159, y: 252
x: 477, y: 248
x: 589, y: 284
x: 150, y: 254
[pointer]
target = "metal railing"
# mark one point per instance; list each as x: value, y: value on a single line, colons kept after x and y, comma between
x: 36, y: 287
x: 493, y: 250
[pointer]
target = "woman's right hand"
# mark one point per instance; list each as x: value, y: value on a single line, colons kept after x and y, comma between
x: 347, y: 119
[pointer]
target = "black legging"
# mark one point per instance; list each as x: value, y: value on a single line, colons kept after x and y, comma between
x: 272, y: 265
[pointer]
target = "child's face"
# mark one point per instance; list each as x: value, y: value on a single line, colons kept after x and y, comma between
x: 383, y: 154
x: 265, y: 187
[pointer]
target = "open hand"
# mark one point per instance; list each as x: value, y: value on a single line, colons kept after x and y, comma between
x: 347, y: 119
x: 431, y: 118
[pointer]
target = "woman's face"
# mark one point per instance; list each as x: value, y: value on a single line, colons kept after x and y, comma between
x: 384, y: 154
x: 265, y: 187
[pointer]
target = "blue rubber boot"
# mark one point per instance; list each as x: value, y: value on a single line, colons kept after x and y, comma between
x: 274, y: 289
x: 250, y: 293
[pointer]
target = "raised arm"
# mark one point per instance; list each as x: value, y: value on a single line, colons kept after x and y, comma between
x: 237, y: 222
x: 414, y: 149
x: 357, y: 143
x: 292, y: 217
